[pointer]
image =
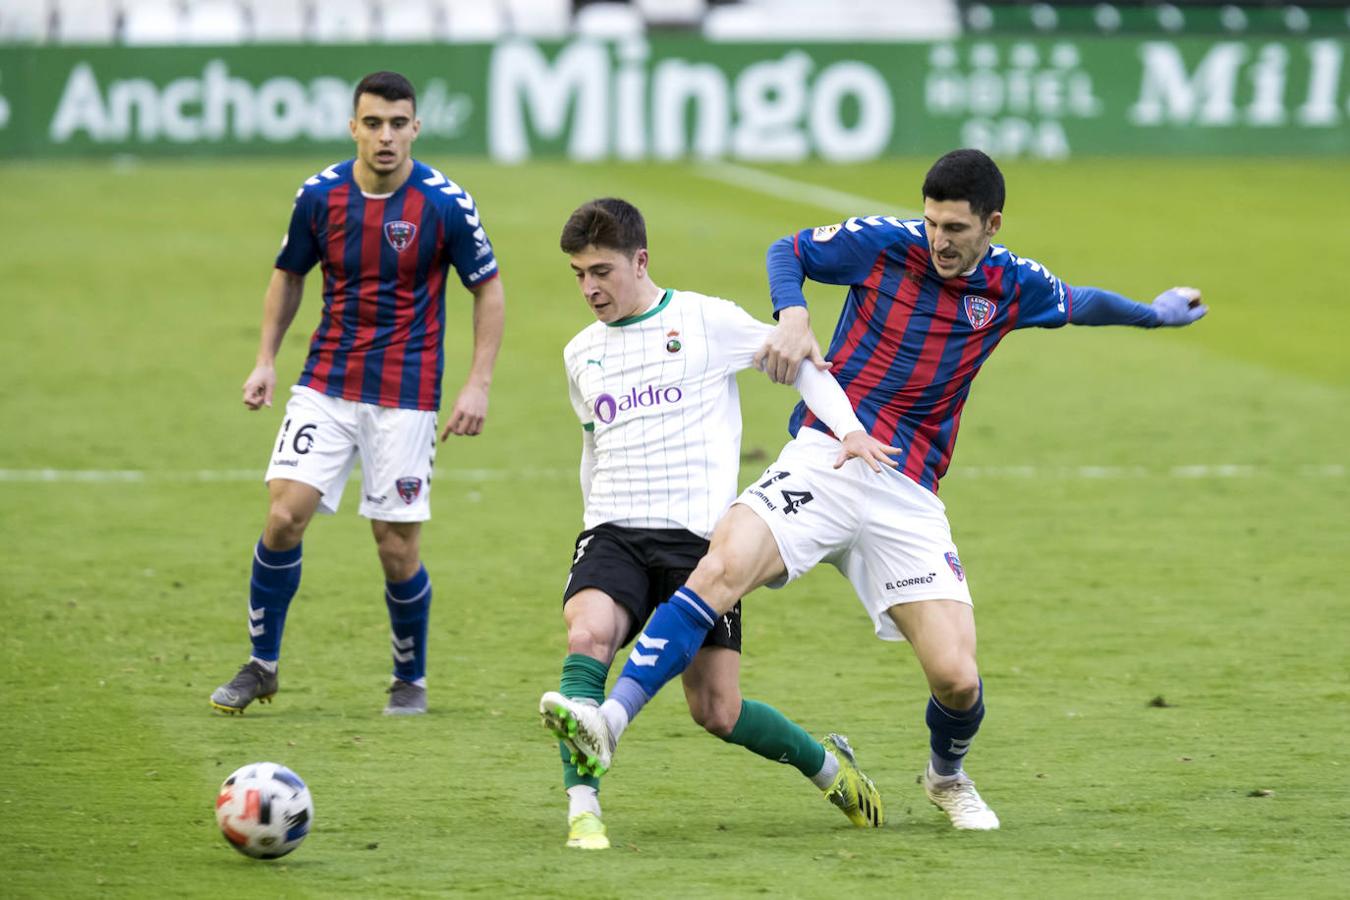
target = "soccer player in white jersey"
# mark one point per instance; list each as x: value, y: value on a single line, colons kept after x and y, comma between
x: 929, y: 300
x: 653, y: 383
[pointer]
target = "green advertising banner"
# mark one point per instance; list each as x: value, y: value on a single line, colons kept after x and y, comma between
x: 676, y: 98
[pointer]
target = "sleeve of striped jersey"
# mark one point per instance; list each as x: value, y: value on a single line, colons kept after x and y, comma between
x: 1043, y: 301
x: 1094, y: 306
x: 300, y: 248
x: 832, y: 254
x: 471, y: 252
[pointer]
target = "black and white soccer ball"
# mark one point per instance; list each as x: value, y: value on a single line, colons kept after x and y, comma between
x: 264, y: 810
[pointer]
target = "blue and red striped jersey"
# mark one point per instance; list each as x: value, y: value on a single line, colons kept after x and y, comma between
x: 384, y: 258
x: 909, y: 342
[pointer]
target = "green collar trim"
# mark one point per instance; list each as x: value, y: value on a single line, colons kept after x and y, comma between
x: 665, y: 300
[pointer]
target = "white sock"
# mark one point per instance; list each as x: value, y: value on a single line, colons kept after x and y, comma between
x: 825, y: 777
x: 582, y: 798
x: 268, y: 664
x: 935, y: 778
x: 616, y: 717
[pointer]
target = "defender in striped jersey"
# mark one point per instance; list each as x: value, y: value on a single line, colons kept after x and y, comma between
x: 385, y: 230
x: 928, y: 301
x: 653, y: 384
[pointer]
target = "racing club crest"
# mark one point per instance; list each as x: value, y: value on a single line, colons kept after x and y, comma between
x: 400, y: 234
x: 952, y: 561
x: 979, y: 311
x: 409, y: 487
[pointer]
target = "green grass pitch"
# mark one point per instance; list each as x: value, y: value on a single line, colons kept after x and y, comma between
x: 1142, y: 515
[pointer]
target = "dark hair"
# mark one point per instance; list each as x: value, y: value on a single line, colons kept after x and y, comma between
x: 966, y: 175
x: 389, y: 85
x: 608, y: 223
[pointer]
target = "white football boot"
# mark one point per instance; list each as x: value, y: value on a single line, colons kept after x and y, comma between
x: 958, y: 798
x: 579, y: 725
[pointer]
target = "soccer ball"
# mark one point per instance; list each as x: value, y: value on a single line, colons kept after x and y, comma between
x: 264, y: 810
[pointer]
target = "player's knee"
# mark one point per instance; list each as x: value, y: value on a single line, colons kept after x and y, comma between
x: 399, y: 560
x: 715, y: 713
x: 958, y: 688
x: 715, y: 580
x: 588, y: 642
x: 285, y: 526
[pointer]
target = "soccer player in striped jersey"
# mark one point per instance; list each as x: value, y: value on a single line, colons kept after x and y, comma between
x: 385, y: 229
x: 653, y: 384
x: 928, y: 301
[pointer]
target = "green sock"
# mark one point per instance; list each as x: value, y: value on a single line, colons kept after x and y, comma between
x: 582, y: 677
x: 764, y: 730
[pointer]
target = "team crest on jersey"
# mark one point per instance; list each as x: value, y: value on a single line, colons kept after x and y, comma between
x: 408, y: 488
x: 400, y: 234
x: 955, y: 563
x: 979, y: 310
x: 823, y: 233
x: 673, y: 345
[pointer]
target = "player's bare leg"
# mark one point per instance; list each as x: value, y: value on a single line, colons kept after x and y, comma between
x: 275, y: 578
x: 942, y: 633
x: 408, y: 598
x: 742, y: 556
x: 291, y: 507
x: 712, y: 689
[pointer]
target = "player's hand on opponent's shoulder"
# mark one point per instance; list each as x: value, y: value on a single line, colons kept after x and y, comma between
x: 790, y: 342
x: 259, y: 385
x: 861, y: 445
x: 469, y: 412
x: 1179, y: 306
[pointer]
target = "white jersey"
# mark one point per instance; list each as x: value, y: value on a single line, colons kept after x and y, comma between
x: 658, y: 390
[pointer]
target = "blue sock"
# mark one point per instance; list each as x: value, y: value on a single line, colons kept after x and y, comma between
x: 409, y: 605
x: 664, y: 649
x: 276, y: 576
x: 951, y: 731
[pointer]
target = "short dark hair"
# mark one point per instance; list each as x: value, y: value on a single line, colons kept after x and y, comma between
x: 608, y: 223
x: 966, y: 175
x: 389, y: 85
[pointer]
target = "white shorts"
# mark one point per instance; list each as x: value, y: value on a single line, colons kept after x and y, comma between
x: 888, y: 536
x: 322, y: 436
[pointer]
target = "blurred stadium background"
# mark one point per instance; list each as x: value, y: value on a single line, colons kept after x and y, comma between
x: 767, y: 80
x: 1155, y: 523
x: 157, y: 22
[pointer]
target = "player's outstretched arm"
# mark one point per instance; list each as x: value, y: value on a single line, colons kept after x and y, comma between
x: 280, y: 304
x: 489, y: 319
x: 1174, y: 307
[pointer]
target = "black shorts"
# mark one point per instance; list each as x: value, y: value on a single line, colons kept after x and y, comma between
x: 640, y: 568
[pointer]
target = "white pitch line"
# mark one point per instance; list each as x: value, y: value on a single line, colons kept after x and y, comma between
x: 479, y: 476
x: 841, y: 203
x: 138, y: 476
